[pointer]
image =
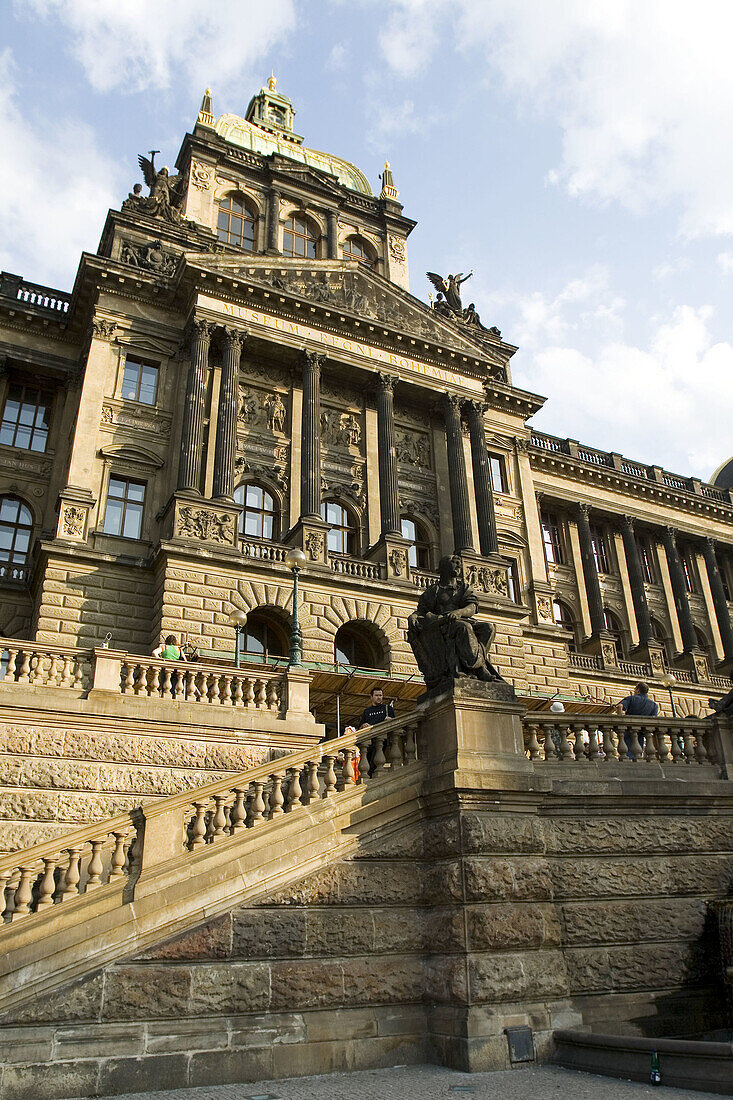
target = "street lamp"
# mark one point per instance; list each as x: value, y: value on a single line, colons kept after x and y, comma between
x: 237, y: 619
x: 669, y: 680
x: 295, y: 560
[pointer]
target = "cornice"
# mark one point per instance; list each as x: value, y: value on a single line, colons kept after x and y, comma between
x: 639, y: 488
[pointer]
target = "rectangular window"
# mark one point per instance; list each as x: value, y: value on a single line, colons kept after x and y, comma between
x: 140, y: 381
x: 515, y: 594
x: 124, y: 512
x: 600, y: 550
x: 688, y: 570
x: 551, y: 538
x: 26, y: 418
x: 498, y: 473
x: 646, y: 559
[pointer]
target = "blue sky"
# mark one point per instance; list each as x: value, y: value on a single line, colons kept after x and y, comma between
x: 576, y: 156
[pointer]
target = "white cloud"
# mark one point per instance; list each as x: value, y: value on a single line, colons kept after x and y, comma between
x: 338, y: 58
x: 642, y: 89
x: 53, y: 204
x: 725, y: 262
x: 133, y: 45
x: 390, y: 120
x: 668, y: 268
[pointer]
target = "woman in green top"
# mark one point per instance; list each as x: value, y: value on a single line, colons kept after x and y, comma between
x: 169, y: 650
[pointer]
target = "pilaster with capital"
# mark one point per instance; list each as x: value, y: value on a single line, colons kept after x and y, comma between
x: 488, y: 541
x: 310, y: 467
x: 189, y: 467
x: 457, y: 479
x: 226, y: 424
x: 636, y: 581
x: 679, y: 590
x: 590, y: 572
x: 273, y: 222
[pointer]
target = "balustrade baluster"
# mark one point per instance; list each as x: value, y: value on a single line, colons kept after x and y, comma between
x: 564, y: 750
x: 273, y: 702
x: 395, y: 748
x: 25, y: 667
x: 198, y: 829
x: 95, y: 868
x: 621, y: 748
x: 141, y: 683
x: 700, y: 751
x: 238, y: 691
x: 78, y: 674
x: 276, y: 794
x: 226, y: 694
x: 53, y: 669
x: 548, y: 741
x: 329, y: 778
x: 238, y: 816
x: 72, y: 876
x: 410, y: 744
x: 689, y: 743
x: 4, y: 878
x: 662, y: 750
x: 313, y: 786
x: 214, y: 689
x: 23, y: 894
x: 47, y: 885
x: 634, y: 747
x: 294, y: 790
x: 577, y: 728
x: 189, y: 685
x: 117, y: 862
x: 165, y: 690
x: 347, y: 769
x: 379, y: 760
x: 66, y: 675
x: 37, y: 668
x: 249, y: 692
x: 595, y: 747
x: 218, y: 820
x: 260, y: 695
x: 650, y: 748
x: 609, y: 742
x: 533, y: 745
x: 154, y: 680
x: 10, y: 670
x: 711, y: 746
x: 129, y: 680
x: 257, y: 806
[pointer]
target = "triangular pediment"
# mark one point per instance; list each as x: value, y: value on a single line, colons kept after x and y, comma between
x: 309, y: 176
x: 358, y: 292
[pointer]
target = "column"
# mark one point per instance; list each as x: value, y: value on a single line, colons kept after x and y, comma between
x: 488, y: 541
x: 310, y: 457
x: 273, y: 221
x: 332, y: 234
x: 590, y: 572
x: 226, y: 425
x: 389, y: 508
x: 189, y: 467
x: 460, y: 506
x: 719, y: 601
x: 679, y: 591
x: 636, y: 579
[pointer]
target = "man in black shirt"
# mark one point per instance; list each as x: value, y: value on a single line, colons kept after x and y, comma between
x: 377, y: 711
x: 638, y: 705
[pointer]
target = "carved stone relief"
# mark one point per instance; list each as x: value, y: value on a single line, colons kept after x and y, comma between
x: 608, y: 649
x: 314, y: 545
x: 201, y: 175
x: 491, y: 581
x: 340, y: 429
x: 544, y: 609
x: 73, y: 521
x: 149, y: 257
x: 397, y: 248
x: 398, y: 561
x: 412, y: 448
x: 199, y: 523
x: 103, y: 329
x: 140, y: 419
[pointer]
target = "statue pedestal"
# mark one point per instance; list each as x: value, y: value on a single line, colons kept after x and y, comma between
x: 472, y: 735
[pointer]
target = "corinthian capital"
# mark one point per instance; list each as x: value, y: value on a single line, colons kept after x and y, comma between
x: 313, y: 360
x: 453, y: 403
x: 235, y: 337
x: 386, y: 381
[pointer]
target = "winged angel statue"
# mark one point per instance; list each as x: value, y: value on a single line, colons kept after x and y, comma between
x: 448, y: 289
x: 166, y: 192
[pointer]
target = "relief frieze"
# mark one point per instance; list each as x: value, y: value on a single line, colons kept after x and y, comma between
x: 340, y: 429
x: 412, y: 449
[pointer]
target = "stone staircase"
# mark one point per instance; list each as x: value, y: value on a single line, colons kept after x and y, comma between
x: 111, y: 890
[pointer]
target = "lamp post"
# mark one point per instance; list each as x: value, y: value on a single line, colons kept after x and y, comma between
x: 669, y: 680
x: 237, y: 619
x: 295, y: 560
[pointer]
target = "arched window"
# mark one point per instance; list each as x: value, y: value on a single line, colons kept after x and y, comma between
x: 16, y: 525
x: 355, y: 248
x: 702, y: 642
x: 263, y: 638
x: 613, y: 627
x: 299, y: 238
x: 259, y: 516
x: 352, y: 646
x: 418, y: 553
x: 563, y: 617
x: 342, y: 529
x: 236, y: 223
x: 659, y: 634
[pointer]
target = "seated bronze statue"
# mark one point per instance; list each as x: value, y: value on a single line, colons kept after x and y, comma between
x: 723, y: 706
x: 447, y: 640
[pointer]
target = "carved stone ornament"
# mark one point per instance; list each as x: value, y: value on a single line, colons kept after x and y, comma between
x: 397, y: 249
x: 314, y: 545
x: 701, y: 668
x: 340, y: 429
x: 398, y: 561
x: 103, y: 329
x: 73, y: 521
x: 275, y: 411
x: 248, y: 408
x: 107, y: 415
x: 198, y: 523
x: 608, y: 649
x: 521, y: 444
x: 492, y: 581
x: 544, y: 608
x: 149, y: 257
x: 413, y: 449
x: 201, y: 175
x: 656, y: 660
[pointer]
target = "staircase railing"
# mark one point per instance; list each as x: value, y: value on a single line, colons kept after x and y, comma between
x: 617, y: 738
x: 97, y: 857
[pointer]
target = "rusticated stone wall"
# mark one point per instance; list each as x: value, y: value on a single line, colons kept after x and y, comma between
x: 560, y: 909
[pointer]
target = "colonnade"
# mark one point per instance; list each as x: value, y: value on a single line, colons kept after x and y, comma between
x: 453, y: 408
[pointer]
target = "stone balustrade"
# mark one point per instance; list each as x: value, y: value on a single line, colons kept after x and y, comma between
x: 262, y: 551
x: 44, y: 665
x: 619, y: 739
x: 199, y: 683
x: 56, y: 871
x: 354, y: 567
x: 99, y: 856
x: 422, y: 578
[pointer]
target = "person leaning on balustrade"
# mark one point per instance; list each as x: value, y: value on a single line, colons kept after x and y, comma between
x: 169, y: 651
